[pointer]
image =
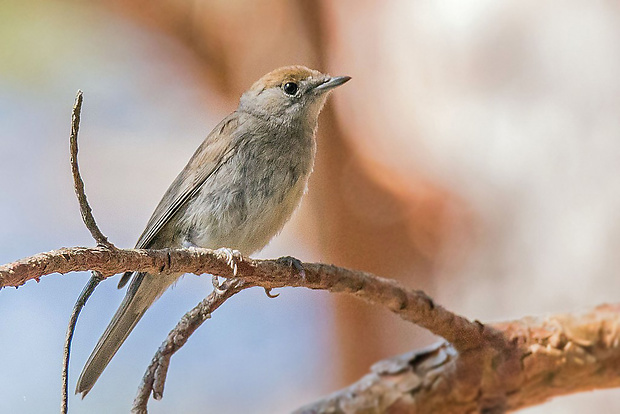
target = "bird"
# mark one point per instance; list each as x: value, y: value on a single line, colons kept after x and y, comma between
x: 236, y: 192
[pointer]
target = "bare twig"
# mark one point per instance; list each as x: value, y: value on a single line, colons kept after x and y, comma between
x: 536, y: 360
x: 77, y: 308
x: 155, y: 376
x: 100, y: 239
x: 412, y: 305
x: 85, y: 210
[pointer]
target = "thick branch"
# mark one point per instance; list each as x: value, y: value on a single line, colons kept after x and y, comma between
x: 552, y: 356
x: 411, y: 305
x: 514, y: 365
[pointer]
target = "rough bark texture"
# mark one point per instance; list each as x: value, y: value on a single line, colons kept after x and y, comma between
x: 548, y: 357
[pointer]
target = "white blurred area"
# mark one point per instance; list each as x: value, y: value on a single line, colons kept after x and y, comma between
x: 513, y: 107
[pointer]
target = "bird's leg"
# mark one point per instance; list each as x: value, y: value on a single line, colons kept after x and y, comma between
x: 214, y: 279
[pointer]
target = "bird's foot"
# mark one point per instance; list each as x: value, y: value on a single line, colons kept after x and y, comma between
x: 232, y: 258
x: 290, y: 261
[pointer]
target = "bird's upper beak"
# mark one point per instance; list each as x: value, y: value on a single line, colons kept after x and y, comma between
x: 331, y: 83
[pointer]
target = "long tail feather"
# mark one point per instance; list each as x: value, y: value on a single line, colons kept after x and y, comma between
x: 142, y: 292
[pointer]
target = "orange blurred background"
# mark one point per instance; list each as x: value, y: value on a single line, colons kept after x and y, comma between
x: 474, y: 155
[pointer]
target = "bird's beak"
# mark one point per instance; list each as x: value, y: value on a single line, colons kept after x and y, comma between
x: 331, y: 83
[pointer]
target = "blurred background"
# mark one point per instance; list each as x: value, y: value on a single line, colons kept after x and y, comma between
x: 474, y: 155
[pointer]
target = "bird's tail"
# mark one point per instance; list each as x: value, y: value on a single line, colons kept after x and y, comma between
x: 142, y: 292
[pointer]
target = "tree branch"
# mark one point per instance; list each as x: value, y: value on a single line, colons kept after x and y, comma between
x: 88, y: 290
x: 514, y: 365
x: 155, y: 376
x: 552, y: 356
x: 412, y: 305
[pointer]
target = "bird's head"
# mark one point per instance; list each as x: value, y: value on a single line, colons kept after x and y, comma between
x: 290, y: 94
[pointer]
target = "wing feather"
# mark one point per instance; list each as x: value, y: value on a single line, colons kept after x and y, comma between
x: 215, y: 150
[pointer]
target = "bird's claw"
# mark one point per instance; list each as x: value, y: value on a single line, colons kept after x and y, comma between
x: 293, y: 262
x: 232, y: 258
x: 269, y: 295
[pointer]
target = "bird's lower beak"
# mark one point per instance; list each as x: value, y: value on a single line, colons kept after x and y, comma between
x: 331, y: 83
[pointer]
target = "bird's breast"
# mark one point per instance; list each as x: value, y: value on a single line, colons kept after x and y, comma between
x: 248, y: 200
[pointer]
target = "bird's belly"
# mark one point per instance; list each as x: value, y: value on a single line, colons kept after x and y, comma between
x: 243, y: 217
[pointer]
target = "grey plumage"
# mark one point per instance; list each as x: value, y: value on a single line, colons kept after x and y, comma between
x: 238, y: 190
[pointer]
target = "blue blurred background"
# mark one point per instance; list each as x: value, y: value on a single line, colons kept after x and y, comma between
x: 475, y: 154
x: 143, y: 117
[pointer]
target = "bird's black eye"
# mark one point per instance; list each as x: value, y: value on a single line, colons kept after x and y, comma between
x: 290, y: 88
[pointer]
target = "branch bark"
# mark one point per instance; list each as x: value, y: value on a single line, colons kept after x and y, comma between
x: 155, y: 376
x: 551, y: 356
x: 505, y: 367
x: 96, y: 233
x: 412, y: 305
x: 78, y: 184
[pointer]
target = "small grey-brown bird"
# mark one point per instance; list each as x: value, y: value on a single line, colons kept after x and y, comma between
x: 237, y: 191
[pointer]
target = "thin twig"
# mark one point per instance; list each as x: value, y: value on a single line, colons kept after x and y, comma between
x: 100, y: 239
x: 77, y: 308
x: 85, y: 210
x: 155, y: 375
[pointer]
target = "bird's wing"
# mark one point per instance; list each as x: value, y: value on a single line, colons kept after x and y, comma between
x: 215, y: 150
